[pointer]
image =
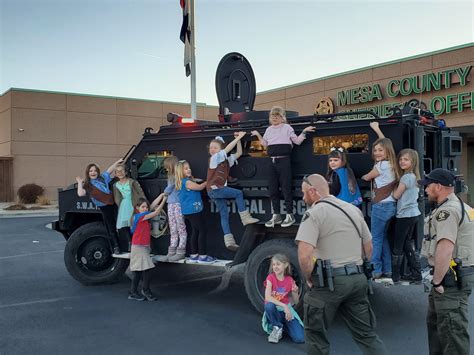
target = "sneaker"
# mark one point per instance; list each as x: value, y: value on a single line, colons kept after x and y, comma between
x: 206, y: 260
x: 193, y: 258
x: 412, y: 277
x: 376, y: 275
x: 275, y: 335
x: 276, y: 219
x: 176, y: 257
x: 148, y: 295
x: 289, y: 220
x: 387, y: 275
x: 135, y: 296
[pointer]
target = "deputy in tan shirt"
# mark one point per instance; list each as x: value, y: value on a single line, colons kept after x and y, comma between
x: 449, y: 235
x: 327, y: 233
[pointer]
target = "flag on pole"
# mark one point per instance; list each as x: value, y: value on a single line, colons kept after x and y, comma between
x: 185, y: 35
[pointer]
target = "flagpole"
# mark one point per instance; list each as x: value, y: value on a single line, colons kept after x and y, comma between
x: 193, y: 61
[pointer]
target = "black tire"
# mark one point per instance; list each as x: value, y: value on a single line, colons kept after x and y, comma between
x: 257, y: 267
x: 88, y: 256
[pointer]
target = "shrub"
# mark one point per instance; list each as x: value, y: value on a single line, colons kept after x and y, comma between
x: 29, y: 193
x: 43, y: 201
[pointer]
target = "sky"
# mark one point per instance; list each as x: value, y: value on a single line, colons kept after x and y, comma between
x: 131, y: 48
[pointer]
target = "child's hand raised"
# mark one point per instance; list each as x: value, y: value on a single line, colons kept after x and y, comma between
x: 254, y: 133
x: 374, y: 125
x: 309, y: 129
x: 80, y: 180
x: 240, y: 134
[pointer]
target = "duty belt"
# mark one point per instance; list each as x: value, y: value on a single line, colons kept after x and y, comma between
x: 349, y: 269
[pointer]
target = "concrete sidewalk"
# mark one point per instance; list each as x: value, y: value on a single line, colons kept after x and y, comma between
x: 43, y: 211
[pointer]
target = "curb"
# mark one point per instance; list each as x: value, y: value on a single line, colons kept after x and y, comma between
x: 51, y: 213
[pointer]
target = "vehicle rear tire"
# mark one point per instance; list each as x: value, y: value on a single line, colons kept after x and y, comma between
x: 257, y: 267
x: 88, y: 256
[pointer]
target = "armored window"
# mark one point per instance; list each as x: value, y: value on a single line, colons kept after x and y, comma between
x: 255, y: 149
x: 352, y: 143
x: 152, y: 165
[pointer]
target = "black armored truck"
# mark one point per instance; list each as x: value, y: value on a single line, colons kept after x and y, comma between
x: 88, y: 256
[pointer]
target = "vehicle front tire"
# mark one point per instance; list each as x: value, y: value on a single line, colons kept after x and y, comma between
x: 88, y: 256
x: 257, y: 270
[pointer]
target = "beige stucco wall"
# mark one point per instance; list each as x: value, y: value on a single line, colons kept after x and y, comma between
x: 53, y: 136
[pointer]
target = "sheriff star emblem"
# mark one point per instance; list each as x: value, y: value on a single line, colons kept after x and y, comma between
x: 442, y: 215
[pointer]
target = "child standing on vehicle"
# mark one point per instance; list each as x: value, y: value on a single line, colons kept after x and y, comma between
x: 192, y: 209
x: 140, y: 260
x: 127, y: 192
x: 279, y: 314
x: 341, y: 178
x: 384, y: 176
x: 407, y: 216
x: 96, y: 185
x: 279, y: 139
x: 178, y: 234
x: 217, y: 189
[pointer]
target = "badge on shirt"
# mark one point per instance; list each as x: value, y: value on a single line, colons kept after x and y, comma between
x: 305, y: 217
x: 442, y: 215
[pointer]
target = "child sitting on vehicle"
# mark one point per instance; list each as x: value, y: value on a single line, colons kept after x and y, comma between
x: 217, y: 189
x: 279, y: 315
x: 341, y: 179
x: 279, y: 139
x: 140, y: 260
x: 192, y: 210
x: 176, y: 251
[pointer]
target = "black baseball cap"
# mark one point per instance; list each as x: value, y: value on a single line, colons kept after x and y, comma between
x: 438, y: 176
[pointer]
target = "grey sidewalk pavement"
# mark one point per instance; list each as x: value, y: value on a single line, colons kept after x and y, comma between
x: 44, y: 211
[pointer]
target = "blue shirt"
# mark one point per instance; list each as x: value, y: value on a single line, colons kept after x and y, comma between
x: 102, y: 184
x: 190, y: 200
x: 407, y: 204
x: 173, y: 194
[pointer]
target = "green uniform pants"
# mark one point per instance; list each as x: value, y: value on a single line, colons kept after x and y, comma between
x: 448, y: 321
x: 351, y: 301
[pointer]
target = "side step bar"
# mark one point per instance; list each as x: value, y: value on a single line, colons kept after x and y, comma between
x: 158, y: 259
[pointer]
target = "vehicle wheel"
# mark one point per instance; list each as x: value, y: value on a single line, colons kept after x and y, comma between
x: 257, y: 267
x: 88, y: 257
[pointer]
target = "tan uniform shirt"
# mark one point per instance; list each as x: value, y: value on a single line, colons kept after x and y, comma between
x: 443, y: 223
x: 332, y: 234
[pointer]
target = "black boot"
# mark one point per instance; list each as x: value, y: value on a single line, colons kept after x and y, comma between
x: 396, y: 264
x: 414, y: 265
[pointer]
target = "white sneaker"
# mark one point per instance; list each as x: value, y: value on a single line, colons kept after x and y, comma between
x: 276, y: 219
x: 275, y: 335
x: 289, y: 220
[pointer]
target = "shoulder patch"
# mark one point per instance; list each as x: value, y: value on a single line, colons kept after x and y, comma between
x: 442, y: 215
x: 470, y: 213
x: 305, y: 216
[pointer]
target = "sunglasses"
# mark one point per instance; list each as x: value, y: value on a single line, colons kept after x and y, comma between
x: 306, y: 180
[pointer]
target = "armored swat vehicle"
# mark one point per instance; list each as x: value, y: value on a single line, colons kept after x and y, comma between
x: 88, y: 257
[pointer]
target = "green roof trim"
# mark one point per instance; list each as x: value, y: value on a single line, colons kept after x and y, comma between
x: 200, y: 104
x: 439, y: 51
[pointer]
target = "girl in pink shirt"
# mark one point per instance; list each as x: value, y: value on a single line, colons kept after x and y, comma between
x: 279, y: 314
x: 279, y: 139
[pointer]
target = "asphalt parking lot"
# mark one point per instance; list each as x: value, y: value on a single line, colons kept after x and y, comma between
x: 44, y: 311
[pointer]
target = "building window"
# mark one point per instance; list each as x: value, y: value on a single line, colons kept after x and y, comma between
x: 352, y: 143
x: 152, y: 165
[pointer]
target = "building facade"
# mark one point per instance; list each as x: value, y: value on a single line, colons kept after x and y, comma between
x: 53, y: 136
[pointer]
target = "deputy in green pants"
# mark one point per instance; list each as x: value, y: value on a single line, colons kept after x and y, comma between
x: 335, y: 231
x: 449, y: 247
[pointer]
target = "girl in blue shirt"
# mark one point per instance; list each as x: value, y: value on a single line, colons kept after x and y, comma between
x: 96, y: 185
x: 192, y: 210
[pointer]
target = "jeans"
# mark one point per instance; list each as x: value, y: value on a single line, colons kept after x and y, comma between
x: 381, y: 254
x: 277, y: 319
x: 220, y: 197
